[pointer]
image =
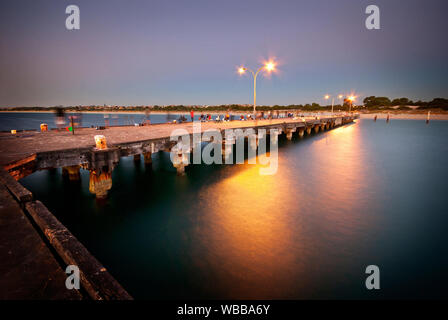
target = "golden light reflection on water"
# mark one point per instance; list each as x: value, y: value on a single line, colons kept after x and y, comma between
x: 339, y: 159
x: 258, y: 232
x: 340, y: 179
x: 248, y: 238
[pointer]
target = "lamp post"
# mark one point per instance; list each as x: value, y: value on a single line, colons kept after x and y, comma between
x: 351, y: 99
x: 332, y: 100
x: 268, y: 66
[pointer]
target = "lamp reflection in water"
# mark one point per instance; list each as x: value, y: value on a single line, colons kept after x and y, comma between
x: 260, y: 238
x: 246, y: 234
x: 339, y: 155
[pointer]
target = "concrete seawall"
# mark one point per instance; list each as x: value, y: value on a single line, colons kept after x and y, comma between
x: 35, y: 273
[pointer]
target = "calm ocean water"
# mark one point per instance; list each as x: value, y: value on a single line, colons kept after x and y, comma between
x: 367, y: 193
x: 32, y: 121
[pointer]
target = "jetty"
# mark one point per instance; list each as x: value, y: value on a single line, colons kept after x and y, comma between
x: 25, y: 152
x: 32, y: 235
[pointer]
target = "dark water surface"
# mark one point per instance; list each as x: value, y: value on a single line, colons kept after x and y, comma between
x: 367, y: 193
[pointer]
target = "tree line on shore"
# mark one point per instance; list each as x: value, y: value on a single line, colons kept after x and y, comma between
x: 385, y: 102
x: 370, y: 103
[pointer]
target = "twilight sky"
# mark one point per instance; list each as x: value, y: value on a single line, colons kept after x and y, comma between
x: 162, y: 52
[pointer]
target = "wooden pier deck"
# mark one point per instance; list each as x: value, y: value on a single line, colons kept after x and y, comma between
x: 26, y: 152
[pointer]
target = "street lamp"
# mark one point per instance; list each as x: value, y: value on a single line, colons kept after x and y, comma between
x: 268, y: 66
x: 351, y: 99
x: 332, y: 100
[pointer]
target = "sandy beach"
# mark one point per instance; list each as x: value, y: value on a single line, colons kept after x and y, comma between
x: 405, y: 116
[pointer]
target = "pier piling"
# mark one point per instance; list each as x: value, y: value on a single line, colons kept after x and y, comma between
x: 100, y: 183
x: 72, y: 172
x: 180, y: 161
x: 289, y: 133
x: 147, y: 158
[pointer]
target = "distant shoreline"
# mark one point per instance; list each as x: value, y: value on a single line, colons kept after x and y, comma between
x: 413, y: 115
x: 99, y: 112
x: 133, y: 112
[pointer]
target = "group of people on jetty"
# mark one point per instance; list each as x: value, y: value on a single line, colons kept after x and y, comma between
x: 75, y: 120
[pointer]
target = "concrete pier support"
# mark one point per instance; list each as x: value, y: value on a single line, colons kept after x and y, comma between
x: 180, y: 161
x: 327, y: 126
x: 100, y: 183
x: 289, y: 133
x: 180, y: 168
x: 227, y: 148
x: 180, y: 157
x: 253, y: 143
x: 273, y: 136
x: 180, y: 164
x: 322, y: 127
x: 137, y: 159
x: 308, y: 130
x: 147, y: 158
x: 316, y: 128
x: 72, y: 172
x: 301, y: 132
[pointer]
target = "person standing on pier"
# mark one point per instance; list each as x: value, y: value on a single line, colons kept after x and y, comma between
x: 192, y: 115
x: 147, y: 120
x: 60, y: 117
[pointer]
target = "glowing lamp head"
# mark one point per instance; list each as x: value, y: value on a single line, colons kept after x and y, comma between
x: 241, y: 70
x: 327, y: 97
x: 351, y: 98
x: 341, y: 96
x: 270, y: 66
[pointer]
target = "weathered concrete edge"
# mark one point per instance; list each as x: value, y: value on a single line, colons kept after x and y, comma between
x: 98, y: 283
x: 19, y: 192
x: 95, y: 279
